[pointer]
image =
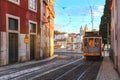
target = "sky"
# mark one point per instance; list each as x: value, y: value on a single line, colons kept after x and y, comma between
x: 70, y: 15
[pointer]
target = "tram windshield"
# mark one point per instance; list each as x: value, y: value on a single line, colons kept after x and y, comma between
x: 92, y: 45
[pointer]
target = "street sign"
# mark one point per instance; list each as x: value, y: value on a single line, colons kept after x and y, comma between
x: 26, y: 39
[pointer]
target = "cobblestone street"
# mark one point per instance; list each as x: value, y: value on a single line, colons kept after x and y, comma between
x: 67, y: 66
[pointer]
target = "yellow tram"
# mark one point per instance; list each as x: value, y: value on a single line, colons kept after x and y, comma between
x: 92, y: 43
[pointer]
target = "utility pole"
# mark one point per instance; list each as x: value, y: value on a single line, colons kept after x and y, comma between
x: 91, y: 17
x: 91, y: 14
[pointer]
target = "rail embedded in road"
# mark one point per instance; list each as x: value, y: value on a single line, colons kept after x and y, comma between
x: 30, y: 71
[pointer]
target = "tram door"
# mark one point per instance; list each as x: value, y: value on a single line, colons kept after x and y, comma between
x: 32, y: 47
x: 13, y: 48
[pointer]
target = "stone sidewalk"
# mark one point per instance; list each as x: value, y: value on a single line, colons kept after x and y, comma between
x: 107, y: 71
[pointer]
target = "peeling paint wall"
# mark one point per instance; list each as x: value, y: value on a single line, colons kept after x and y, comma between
x: 4, y: 50
x: 23, y: 48
x: 22, y: 11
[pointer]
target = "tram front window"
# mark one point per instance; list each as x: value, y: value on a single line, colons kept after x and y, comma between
x: 92, y: 45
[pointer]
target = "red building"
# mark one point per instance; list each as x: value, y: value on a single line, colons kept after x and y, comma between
x: 19, y: 30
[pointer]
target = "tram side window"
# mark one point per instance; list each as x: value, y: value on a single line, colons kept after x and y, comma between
x: 97, y: 45
x: 97, y: 42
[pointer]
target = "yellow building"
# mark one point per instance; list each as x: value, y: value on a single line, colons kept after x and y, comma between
x: 51, y: 16
x: 47, y: 29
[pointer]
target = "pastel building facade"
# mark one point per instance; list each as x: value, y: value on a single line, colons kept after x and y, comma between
x: 20, y: 31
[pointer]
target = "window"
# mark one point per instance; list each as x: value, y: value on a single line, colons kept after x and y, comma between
x: 13, y: 24
x: 32, y: 5
x: 15, y: 1
x: 32, y: 28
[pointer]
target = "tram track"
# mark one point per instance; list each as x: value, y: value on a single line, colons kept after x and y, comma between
x: 81, y: 71
x: 75, y: 71
x: 19, y: 68
x: 41, y: 72
x: 68, y: 72
x: 91, y: 72
x: 26, y: 72
x: 63, y: 67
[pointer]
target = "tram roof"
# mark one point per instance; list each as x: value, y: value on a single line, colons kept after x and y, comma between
x: 92, y: 34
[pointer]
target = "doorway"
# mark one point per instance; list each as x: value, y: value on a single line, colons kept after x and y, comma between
x: 13, y: 48
x: 32, y: 47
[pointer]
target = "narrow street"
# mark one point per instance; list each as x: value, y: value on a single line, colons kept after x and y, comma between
x: 63, y: 67
x: 59, y: 40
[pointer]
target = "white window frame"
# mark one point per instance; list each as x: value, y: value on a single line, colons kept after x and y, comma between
x: 34, y: 10
x: 34, y: 22
x: 14, y: 17
x: 18, y: 3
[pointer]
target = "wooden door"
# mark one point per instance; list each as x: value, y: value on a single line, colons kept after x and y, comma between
x: 13, y: 48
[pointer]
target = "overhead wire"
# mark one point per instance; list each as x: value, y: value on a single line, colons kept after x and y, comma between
x: 68, y: 15
x: 92, y: 17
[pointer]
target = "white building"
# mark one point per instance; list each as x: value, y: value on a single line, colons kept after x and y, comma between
x: 60, y: 40
x: 83, y: 30
x: 74, y: 42
x: 71, y: 42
